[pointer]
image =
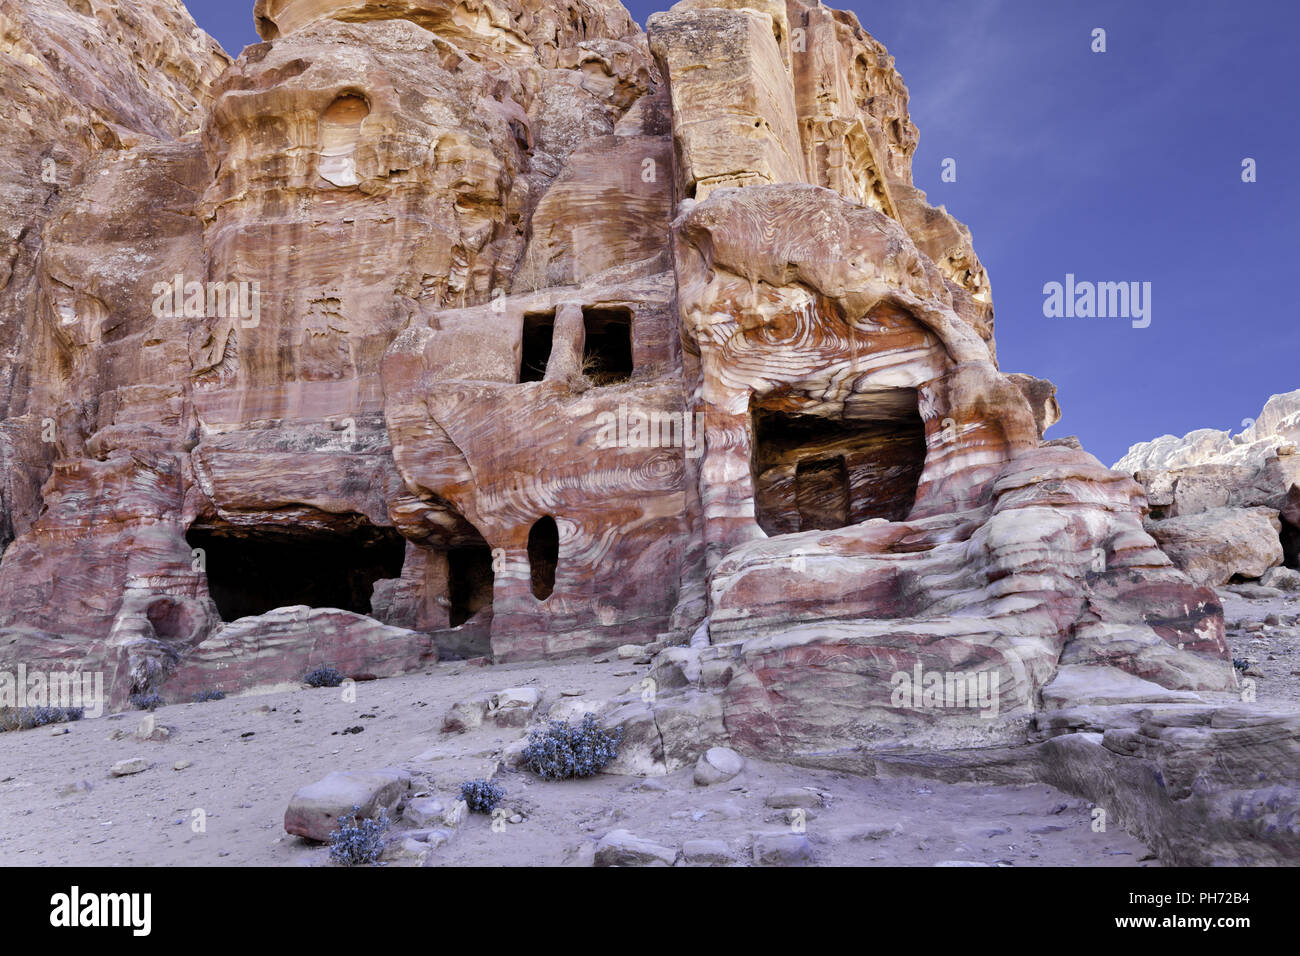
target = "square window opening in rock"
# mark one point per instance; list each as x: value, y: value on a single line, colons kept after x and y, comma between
x: 255, y: 570
x: 607, y: 357
x: 813, y: 473
x: 539, y: 338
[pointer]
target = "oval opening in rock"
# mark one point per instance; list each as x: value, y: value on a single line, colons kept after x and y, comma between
x: 543, y: 556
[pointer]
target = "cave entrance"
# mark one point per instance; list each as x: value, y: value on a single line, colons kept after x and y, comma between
x: 544, y: 556
x: 813, y: 473
x: 607, y: 356
x: 253, y: 570
x: 539, y: 338
x: 470, y: 582
x: 453, y: 581
x: 1290, y: 545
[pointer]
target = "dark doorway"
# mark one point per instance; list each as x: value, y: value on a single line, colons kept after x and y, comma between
x: 607, y: 358
x: 813, y: 473
x: 544, y: 556
x: 253, y: 570
x: 1290, y: 545
x: 539, y: 338
x: 470, y: 582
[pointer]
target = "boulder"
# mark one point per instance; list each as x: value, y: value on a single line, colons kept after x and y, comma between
x: 455, y: 815
x: 708, y: 853
x: 424, y: 811
x: 514, y: 707
x: 621, y: 848
x: 795, y: 798
x: 278, y: 648
x: 718, y: 765
x: 1284, y: 579
x: 782, y: 849
x: 314, y: 810
x: 466, y: 714
x: 1213, y: 547
x: 666, y: 733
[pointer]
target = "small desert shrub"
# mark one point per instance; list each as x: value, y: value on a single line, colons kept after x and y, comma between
x: 562, y: 751
x: 481, y: 796
x: 358, y: 842
x: 29, y: 718
x: 204, y: 696
x: 148, y: 702
x: 593, y: 370
x: 323, y: 677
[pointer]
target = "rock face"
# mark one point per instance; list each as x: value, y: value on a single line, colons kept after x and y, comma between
x: 86, y: 88
x: 515, y: 331
x: 1278, y: 425
x: 1215, y: 546
x: 1201, y: 786
x: 1226, y: 507
x: 286, y: 644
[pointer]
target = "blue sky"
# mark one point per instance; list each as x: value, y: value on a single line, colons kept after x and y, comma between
x: 1123, y: 166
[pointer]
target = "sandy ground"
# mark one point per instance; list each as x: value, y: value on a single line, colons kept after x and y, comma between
x: 60, y: 806
x: 1273, y: 651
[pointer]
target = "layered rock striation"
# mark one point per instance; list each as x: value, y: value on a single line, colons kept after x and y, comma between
x: 509, y: 329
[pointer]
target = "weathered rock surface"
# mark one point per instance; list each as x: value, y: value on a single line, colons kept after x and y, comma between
x: 1075, y: 686
x: 500, y: 377
x: 1214, y: 547
x: 1202, y: 786
x: 1278, y: 425
x: 130, y: 767
x: 1210, y: 494
x: 514, y: 707
x: 516, y: 332
x: 621, y: 848
x: 424, y: 811
x: 782, y: 849
x: 315, y: 809
x: 718, y: 765
x: 81, y: 85
x: 708, y: 853
x: 285, y: 645
x: 466, y: 714
x: 1284, y: 579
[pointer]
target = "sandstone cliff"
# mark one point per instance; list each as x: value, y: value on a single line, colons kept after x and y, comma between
x: 510, y: 329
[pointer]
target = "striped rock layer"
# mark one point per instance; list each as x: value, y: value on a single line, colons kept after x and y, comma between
x: 522, y: 332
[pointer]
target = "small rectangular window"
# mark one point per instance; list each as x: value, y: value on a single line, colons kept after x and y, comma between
x: 539, y: 336
x: 607, y: 359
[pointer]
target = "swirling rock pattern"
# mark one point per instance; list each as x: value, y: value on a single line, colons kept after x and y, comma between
x: 566, y: 336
